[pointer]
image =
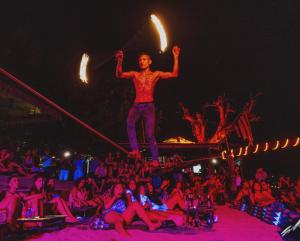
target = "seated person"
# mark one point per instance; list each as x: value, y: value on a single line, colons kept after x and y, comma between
x: 265, y: 188
x: 31, y: 161
x: 80, y: 196
x: 244, y: 194
x: 260, y: 197
x: 131, y: 192
x: 8, y: 166
x: 284, y: 182
x: 292, y: 198
x: 101, y: 170
x: 38, y: 197
x: 211, y: 186
x: 117, y: 213
x: 158, y: 212
x: 10, y: 202
x: 94, y: 191
x: 50, y: 188
x: 167, y: 204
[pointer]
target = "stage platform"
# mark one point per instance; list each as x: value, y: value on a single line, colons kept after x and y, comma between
x: 233, y: 225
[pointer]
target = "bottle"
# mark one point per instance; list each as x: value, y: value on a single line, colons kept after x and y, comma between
x: 28, y: 213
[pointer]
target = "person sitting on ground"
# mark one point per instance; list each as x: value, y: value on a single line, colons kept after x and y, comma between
x: 94, y: 191
x: 117, y: 213
x: 38, y: 197
x: 79, y: 196
x: 8, y: 166
x: 131, y: 192
x: 50, y: 188
x: 28, y: 160
x: 158, y: 212
x: 101, y: 170
x: 265, y: 188
x: 178, y: 190
x: 11, y: 201
x: 166, y: 203
x: 293, y: 197
x: 284, y: 182
x: 261, y: 175
x: 260, y: 198
x: 211, y: 185
x: 244, y: 194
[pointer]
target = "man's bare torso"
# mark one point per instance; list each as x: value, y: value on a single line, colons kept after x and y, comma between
x: 144, y: 84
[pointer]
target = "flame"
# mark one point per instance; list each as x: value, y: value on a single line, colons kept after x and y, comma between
x: 83, y: 68
x: 161, y: 31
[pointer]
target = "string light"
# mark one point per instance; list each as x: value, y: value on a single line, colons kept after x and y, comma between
x: 267, y: 146
x: 240, y: 151
x: 297, y: 142
x: 276, y: 146
x: 286, y: 143
x: 223, y: 155
x: 232, y: 152
x: 256, y: 148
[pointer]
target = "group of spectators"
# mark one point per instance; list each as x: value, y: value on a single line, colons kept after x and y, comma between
x: 120, y: 189
x: 263, y: 193
x: 64, y: 167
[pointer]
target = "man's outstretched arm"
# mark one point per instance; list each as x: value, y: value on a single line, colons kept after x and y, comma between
x: 119, y: 70
x: 174, y: 73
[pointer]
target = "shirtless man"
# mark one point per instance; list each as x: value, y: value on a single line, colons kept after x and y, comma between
x: 144, y: 83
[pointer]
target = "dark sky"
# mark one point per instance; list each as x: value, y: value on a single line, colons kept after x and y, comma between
x: 231, y: 48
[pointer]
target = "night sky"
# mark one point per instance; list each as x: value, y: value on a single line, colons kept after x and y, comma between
x: 230, y: 48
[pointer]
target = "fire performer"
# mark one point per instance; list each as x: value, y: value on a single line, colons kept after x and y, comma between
x: 144, y: 82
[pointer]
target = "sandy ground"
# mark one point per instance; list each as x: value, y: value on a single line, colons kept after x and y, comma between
x: 233, y: 225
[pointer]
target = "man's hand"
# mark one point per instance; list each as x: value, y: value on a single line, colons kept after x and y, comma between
x: 176, y: 51
x: 119, y: 55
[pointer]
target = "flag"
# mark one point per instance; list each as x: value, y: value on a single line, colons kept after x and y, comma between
x: 243, y: 128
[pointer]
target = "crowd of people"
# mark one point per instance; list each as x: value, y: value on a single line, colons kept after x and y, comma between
x: 120, y: 189
x: 259, y: 191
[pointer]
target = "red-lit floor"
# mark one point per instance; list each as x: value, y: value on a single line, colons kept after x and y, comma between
x: 233, y: 225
